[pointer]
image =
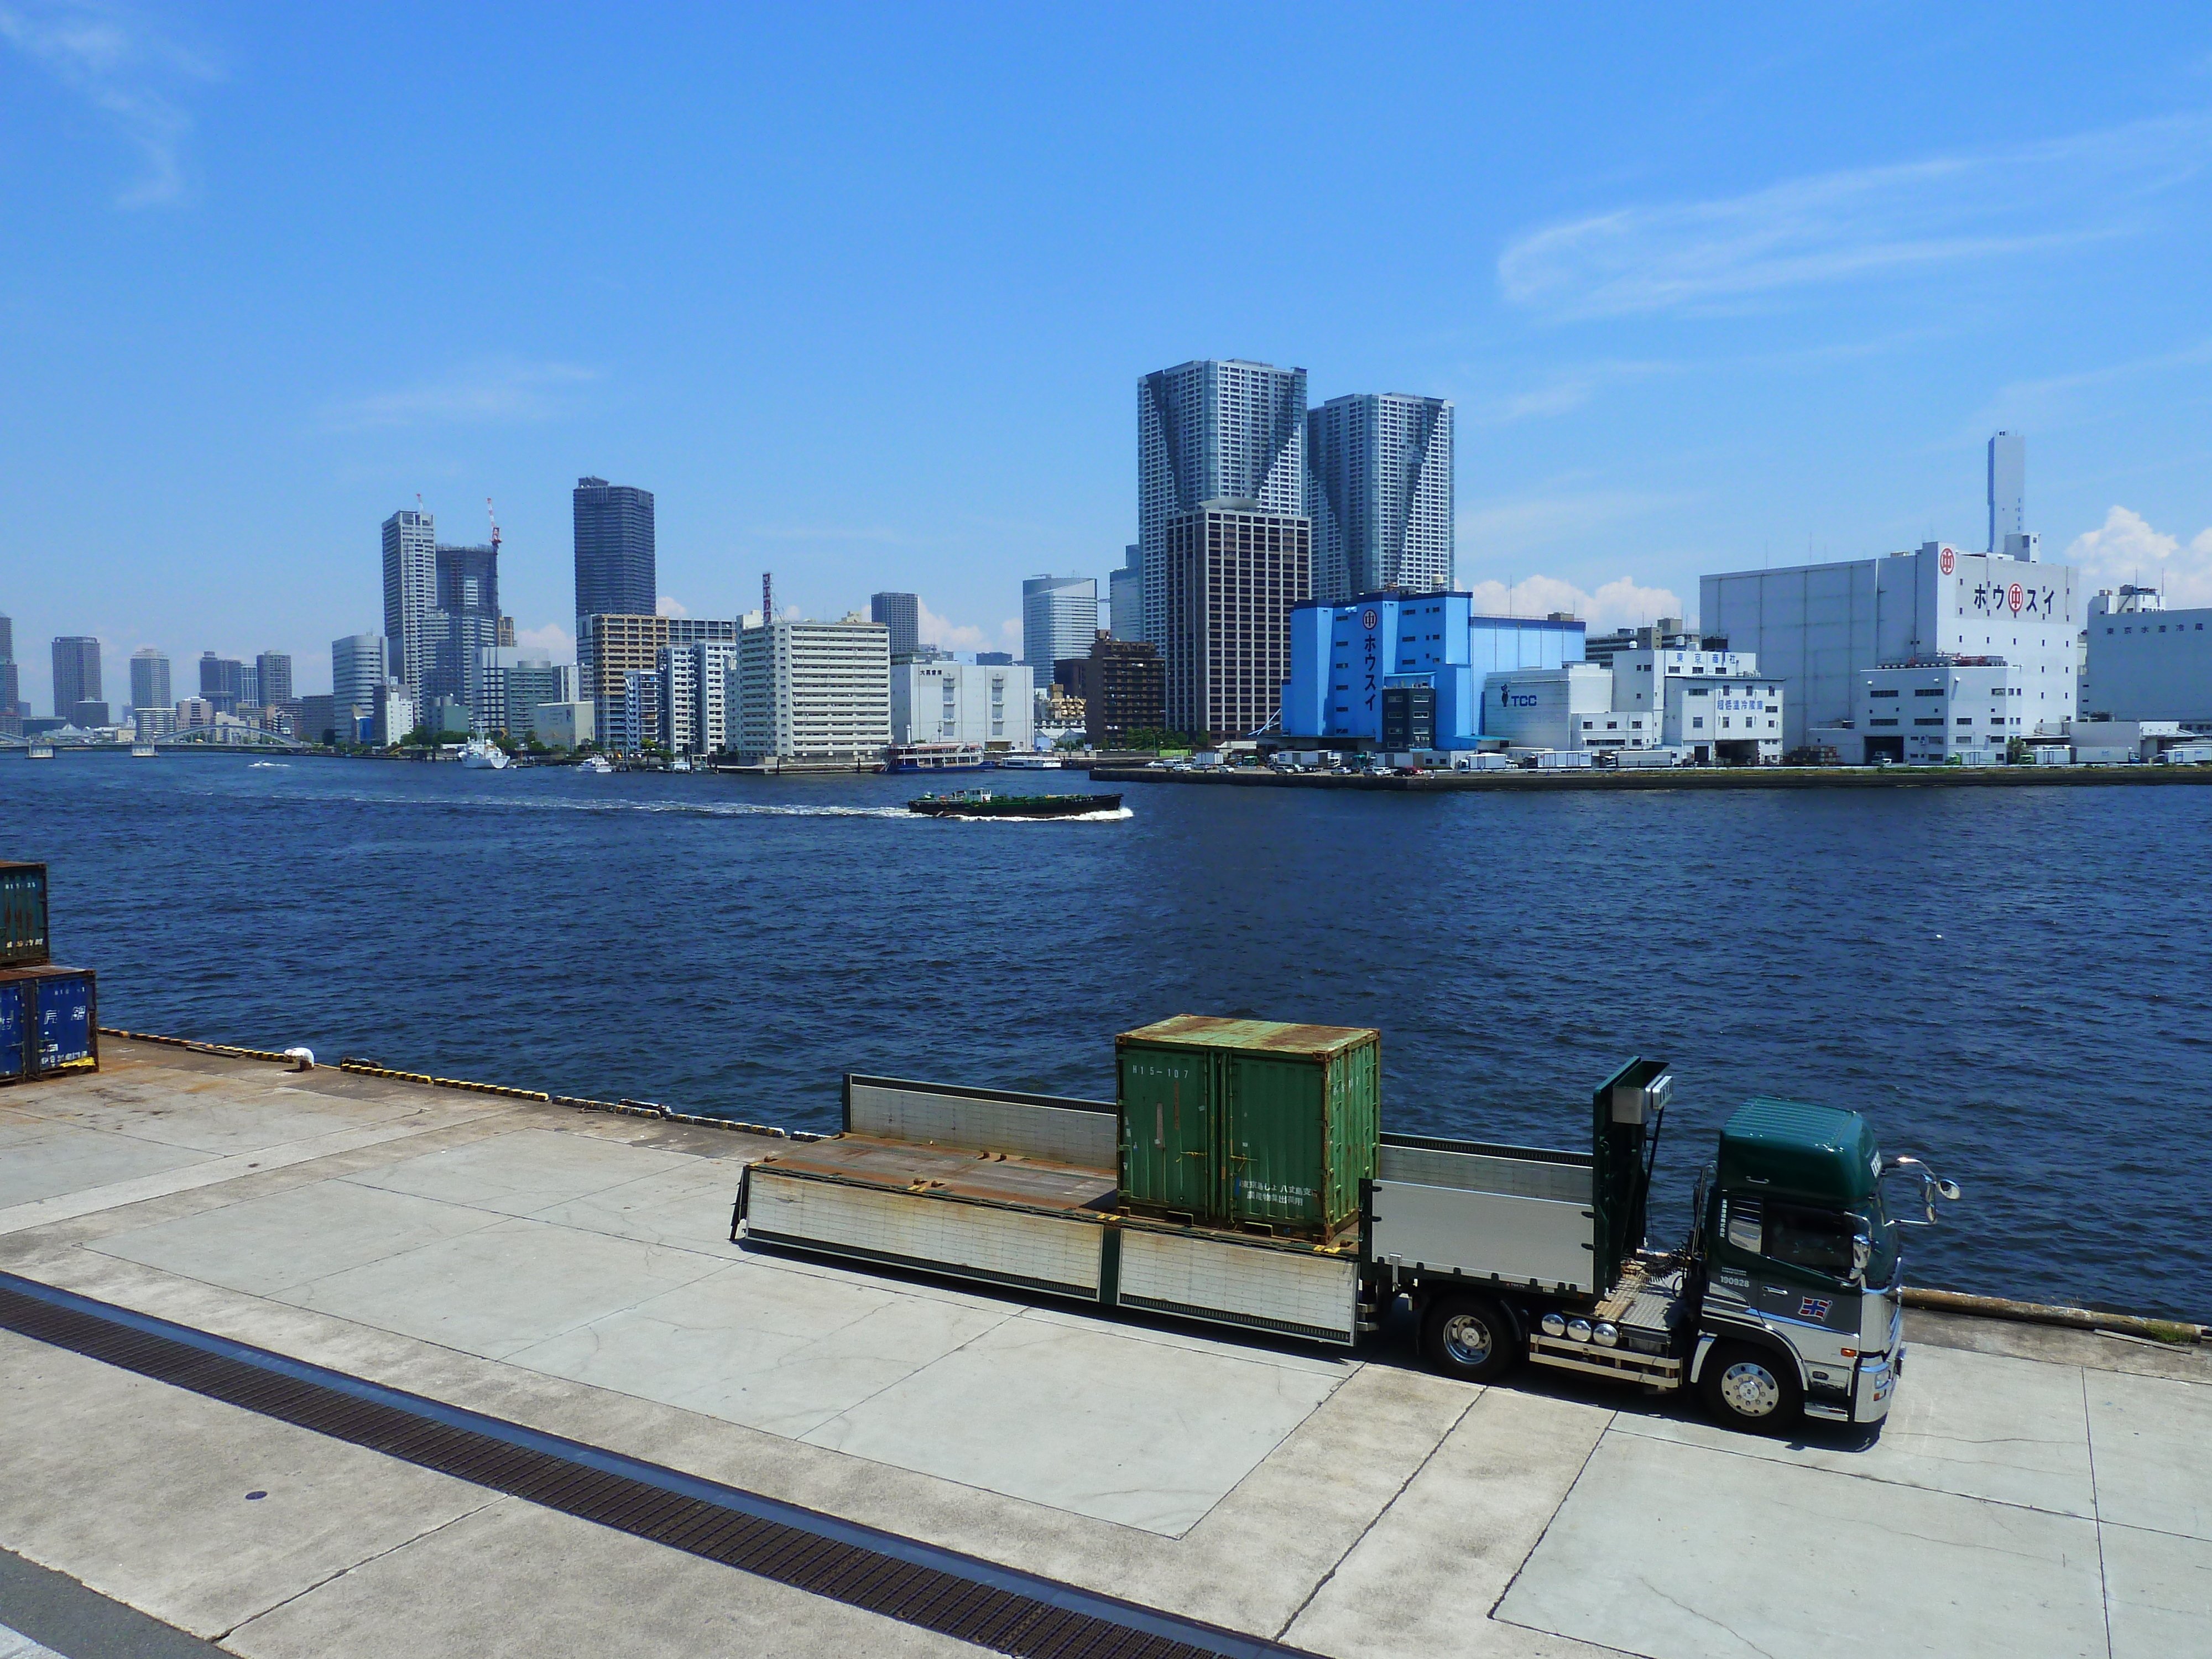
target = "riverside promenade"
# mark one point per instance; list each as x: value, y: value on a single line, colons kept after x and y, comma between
x: 560, y: 1282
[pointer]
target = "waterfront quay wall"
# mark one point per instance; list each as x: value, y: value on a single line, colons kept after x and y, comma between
x: 1746, y: 777
x: 376, y: 1362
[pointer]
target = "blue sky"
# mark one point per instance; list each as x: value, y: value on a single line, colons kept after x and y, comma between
x: 862, y: 293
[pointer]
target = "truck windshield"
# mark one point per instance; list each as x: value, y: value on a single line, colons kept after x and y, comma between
x: 1817, y: 1240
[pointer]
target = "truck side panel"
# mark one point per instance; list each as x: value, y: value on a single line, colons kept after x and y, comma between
x: 1079, y: 1131
x: 1535, y: 1242
x: 1297, y: 1292
x: 1065, y: 1257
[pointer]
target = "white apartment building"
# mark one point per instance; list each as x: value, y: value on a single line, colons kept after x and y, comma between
x: 695, y: 681
x: 1817, y: 627
x: 814, y: 690
x: 634, y: 718
x: 1725, y: 720
x: 1930, y: 712
x: 2147, y: 663
x: 991, y: 705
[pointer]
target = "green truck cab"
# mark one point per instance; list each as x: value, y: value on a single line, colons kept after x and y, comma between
x: 1802, y: 1307
x: 1784, y: 1301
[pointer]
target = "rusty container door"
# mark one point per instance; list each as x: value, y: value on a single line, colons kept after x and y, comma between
x: 1170, y: 1151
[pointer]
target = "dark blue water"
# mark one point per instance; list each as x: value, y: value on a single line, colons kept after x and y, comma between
x: 2015, y: 984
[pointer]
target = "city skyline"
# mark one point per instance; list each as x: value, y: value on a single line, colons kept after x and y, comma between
x: 1715, y: 315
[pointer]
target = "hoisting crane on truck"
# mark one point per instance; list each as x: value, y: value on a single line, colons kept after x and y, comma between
x: 1240, y: 1178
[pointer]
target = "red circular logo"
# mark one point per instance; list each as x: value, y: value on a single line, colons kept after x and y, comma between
x: 1947, y: 559
x: 2015, y: 596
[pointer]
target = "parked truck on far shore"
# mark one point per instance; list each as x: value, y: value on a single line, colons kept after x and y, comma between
x: 1241, y: 1178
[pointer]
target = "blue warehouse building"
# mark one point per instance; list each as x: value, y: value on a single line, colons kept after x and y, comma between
x: 1404, y: 670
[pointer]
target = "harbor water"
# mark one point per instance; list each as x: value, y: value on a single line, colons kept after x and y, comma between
x: 2014, y: 984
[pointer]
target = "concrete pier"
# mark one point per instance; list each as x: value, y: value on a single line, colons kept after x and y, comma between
x: 2036, y: 1491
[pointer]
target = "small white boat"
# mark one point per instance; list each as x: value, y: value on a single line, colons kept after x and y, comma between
x: 681, y: 763
x: 1024, y: 762
x: 42, y: 751
x: 478, y: 755
x: 595, y: 763
x: 142, y: 751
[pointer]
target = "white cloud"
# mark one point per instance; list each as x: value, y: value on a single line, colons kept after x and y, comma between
x: 552, y: 641
x: 1620, y: 602
x: 128, y: 70
x: 496, y: 389
x: 664, y: 607
x: 933, y: 629
x: 2126, y: 549
x: 1010, y: 631
x: 1862, y: 222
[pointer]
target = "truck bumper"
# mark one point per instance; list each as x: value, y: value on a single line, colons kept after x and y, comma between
x: 1875, y: 1385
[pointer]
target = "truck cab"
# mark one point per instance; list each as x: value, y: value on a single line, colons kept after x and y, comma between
x: 1802, y: 1269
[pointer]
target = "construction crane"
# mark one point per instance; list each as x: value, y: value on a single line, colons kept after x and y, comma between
x: 494, y: 517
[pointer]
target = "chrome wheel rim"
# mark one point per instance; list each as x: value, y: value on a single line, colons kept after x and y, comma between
x: 1750, y: 1388
x: 1466, y: 1340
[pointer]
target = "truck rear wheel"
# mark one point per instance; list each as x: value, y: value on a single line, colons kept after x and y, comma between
x: 1751, y: 1388
x: 1470, y: 1337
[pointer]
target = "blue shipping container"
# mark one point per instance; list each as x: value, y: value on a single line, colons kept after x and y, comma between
x: 49, y: 1022
x: 13, y: 1001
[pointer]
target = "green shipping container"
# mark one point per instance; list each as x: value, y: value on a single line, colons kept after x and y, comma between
x: 22, y: 915
x: 1250, y: 1122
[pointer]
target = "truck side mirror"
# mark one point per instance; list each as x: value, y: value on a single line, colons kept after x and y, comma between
x: 1932, y: 1187
x: 1862, y: 1253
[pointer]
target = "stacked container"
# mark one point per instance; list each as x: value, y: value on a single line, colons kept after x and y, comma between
x: 49, y: 1016
x: 1249, y: 1124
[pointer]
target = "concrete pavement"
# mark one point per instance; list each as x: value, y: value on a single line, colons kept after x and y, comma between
x: 2035, y: 1491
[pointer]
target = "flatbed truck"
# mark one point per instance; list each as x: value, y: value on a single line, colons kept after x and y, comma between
x: 1783, y: 1301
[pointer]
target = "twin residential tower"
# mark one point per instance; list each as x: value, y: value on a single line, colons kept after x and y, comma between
x: 1249, y: 503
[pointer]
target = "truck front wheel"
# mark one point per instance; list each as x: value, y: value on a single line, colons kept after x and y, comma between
x: 1751, y: 1388
x: 1470, y: 1337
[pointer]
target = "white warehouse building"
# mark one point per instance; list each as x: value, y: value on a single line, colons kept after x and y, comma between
x: 989, y: 705
x: 1711, y: 716
x: 1819, y: 626
x: 2147, y: 663
x: 1969, y: 708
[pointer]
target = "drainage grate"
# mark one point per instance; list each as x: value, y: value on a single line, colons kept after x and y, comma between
x: 902, y: 1578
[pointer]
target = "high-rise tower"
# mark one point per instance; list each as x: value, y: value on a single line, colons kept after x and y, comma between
x: 2008, y: 489
x: 467, y: 621
x: 902, y: 614
x: 1212, y: 430
x: 1379, y: 492
x: 150, y: 679
x: 615, y: 574
x: 76, y: 671
x: 410, y: 594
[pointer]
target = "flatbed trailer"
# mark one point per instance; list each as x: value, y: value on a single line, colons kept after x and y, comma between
x: 1505, y: 1254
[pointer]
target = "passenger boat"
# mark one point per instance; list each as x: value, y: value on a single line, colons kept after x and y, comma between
x: 982, y: 803
x: 933, y: 757
x: 1013, y: 762
x: 595, y: 763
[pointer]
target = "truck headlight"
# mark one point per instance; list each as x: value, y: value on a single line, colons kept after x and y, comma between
x: 1605, y: 1333
x: 1578, y: 1330
x: 1555, y: 1323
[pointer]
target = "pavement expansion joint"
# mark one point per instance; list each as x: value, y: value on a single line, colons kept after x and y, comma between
x: 902, y: 1578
